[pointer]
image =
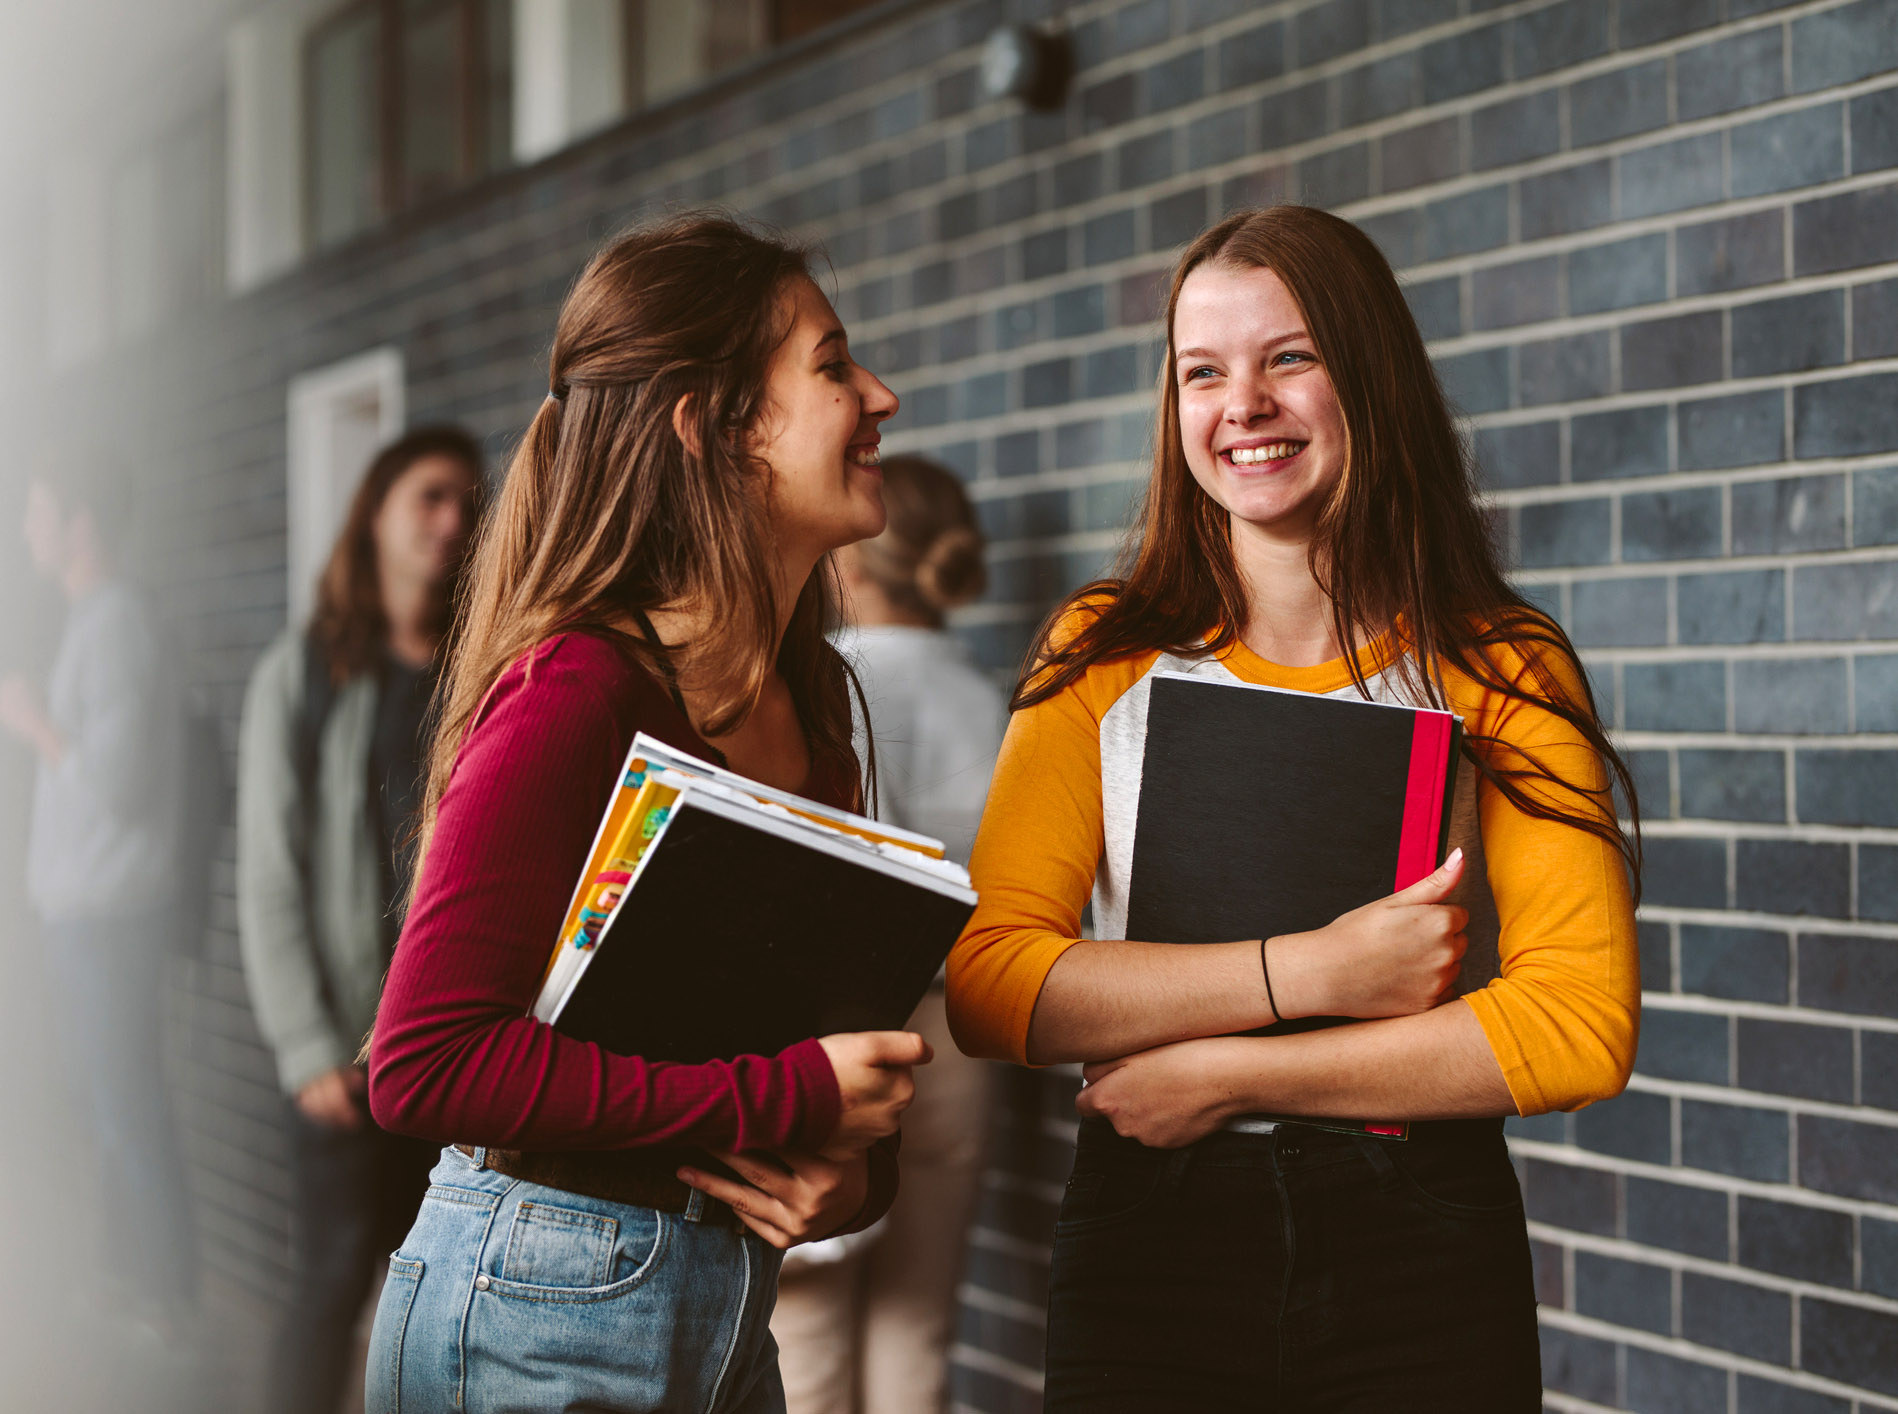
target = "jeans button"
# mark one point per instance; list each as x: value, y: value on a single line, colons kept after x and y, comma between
x: 482, y: 1283
x: 1290, y: 1151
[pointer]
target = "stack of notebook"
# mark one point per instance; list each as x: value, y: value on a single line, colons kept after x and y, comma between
x: 718, y: 916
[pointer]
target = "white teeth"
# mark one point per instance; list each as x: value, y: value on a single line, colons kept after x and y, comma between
x: 867, y: 456
x: 1271, y: 451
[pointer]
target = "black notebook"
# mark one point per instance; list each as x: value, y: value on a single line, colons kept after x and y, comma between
x: 1264, y: 811
x: 745, y: 929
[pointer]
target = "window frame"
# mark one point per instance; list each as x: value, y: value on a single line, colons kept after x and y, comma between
x: 391, y: 182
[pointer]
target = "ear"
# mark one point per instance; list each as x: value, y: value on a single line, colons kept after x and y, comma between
x: 683, y: 427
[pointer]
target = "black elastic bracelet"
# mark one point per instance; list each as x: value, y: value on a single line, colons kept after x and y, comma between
x: 1267, y: 970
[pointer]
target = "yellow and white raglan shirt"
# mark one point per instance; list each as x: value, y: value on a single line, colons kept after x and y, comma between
x: 1552, y: 971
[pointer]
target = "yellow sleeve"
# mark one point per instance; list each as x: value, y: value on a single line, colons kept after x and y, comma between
x: 1564, y: 1016
x: 1035, y: 858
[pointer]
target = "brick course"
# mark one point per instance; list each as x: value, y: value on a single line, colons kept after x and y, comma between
x: 1655, y: 248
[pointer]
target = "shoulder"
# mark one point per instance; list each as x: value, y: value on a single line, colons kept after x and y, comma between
x: 570, y: 678
x: 115, y: 622
x: 558, y: 717
x: 1081, y: 611
x: 1106, y: 677
x: 276, y: 680
x: 1518, y: 656
x: 282, y: 662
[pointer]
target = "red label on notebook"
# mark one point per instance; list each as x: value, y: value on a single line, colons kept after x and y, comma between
x: 1418, y: 847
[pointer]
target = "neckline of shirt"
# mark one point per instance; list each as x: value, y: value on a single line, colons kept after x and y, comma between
x: 1373, y: 657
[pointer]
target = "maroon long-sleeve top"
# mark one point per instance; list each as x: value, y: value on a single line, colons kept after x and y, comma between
x: 456, y: 1057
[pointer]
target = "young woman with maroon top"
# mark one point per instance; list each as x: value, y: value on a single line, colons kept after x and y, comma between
x: 657, y: 561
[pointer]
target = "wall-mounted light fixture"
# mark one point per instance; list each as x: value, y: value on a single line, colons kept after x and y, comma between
x: 1020, y: 62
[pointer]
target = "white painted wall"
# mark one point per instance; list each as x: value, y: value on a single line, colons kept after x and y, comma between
x: 569, y: 74
x: 264, y: 157
x: 78, y: 261
x: 674, y: 48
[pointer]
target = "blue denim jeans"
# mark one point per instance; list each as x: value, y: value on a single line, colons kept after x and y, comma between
x: 1294, y: 1271
x: 509, y: 1296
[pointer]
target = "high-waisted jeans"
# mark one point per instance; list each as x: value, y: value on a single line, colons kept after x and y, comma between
x: 509, y: 1296
x: 1293, y: 1271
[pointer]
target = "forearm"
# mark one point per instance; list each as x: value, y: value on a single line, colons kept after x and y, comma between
x: 1105, y: 999
x: 1112, y: 998
x: 1435, y: 1065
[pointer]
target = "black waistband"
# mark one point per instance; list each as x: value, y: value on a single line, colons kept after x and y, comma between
x: 1448, y: 1133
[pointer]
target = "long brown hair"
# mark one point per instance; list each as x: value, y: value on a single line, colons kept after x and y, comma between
x: 349, y: 622
x: 607, y: 512
x: 928, y: 559
x: 1401, y: 543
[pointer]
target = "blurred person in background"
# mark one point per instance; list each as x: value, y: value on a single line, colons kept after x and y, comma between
x: 103, y: 873
x: 329, y: 776
x: 864, y: 1322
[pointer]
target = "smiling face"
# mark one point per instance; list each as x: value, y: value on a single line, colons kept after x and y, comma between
x: 1260, y: 426
x: 819, y: 432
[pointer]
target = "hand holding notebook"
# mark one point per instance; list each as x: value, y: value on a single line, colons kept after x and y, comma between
x: 719, y: 917
x: 1392, y: 957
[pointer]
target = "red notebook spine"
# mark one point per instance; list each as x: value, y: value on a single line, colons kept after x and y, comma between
x: 1418, y: 846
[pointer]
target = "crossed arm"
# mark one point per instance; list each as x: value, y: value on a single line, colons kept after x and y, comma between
x: 1153, y: 1021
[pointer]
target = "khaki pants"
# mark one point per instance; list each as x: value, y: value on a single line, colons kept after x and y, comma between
x: 870, y: 1334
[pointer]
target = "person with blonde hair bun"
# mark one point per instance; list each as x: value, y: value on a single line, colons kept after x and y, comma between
x: 864, y: 1322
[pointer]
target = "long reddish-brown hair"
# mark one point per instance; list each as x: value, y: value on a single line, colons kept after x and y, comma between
x: 1401, y: 543
x: 606, y: 511
x: 349, y: 622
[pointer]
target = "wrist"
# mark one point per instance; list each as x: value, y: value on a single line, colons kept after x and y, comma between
x: 1229, y: 1080
x: 1297, y: 980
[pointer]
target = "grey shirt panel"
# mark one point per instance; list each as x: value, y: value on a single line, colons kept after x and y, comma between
x: 103, y: 840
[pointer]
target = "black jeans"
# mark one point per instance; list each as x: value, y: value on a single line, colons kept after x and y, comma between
x: 1294, y: 1271
x: 353, y: 1195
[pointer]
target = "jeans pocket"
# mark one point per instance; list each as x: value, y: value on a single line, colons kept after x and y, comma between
x: 571, y: 1255
x: 1461, y: 1182
x: 384, y: 1394
x: 1108, y: 1188
x: 550, y: 1246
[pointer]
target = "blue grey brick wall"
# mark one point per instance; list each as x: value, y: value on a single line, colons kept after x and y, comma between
x: 1654, y: 245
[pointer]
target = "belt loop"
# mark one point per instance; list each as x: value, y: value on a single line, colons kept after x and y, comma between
x: 480, y: 1156
x: 1174, y: 1174
x: 1379, y: 1160
x: 695, y: 1206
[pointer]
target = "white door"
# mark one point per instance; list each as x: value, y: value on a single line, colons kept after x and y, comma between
x: 340, y: 416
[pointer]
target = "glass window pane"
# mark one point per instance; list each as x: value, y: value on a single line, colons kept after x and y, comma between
x: 498, y: 88
x: 633, y: 29
x: 796, y: 18
x: 344, y: 173
x: 431, y: 98
x: 734, y: 31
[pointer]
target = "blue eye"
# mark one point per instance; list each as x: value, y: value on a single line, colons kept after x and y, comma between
x: 1293, y: 353
x: 1195, y: 372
